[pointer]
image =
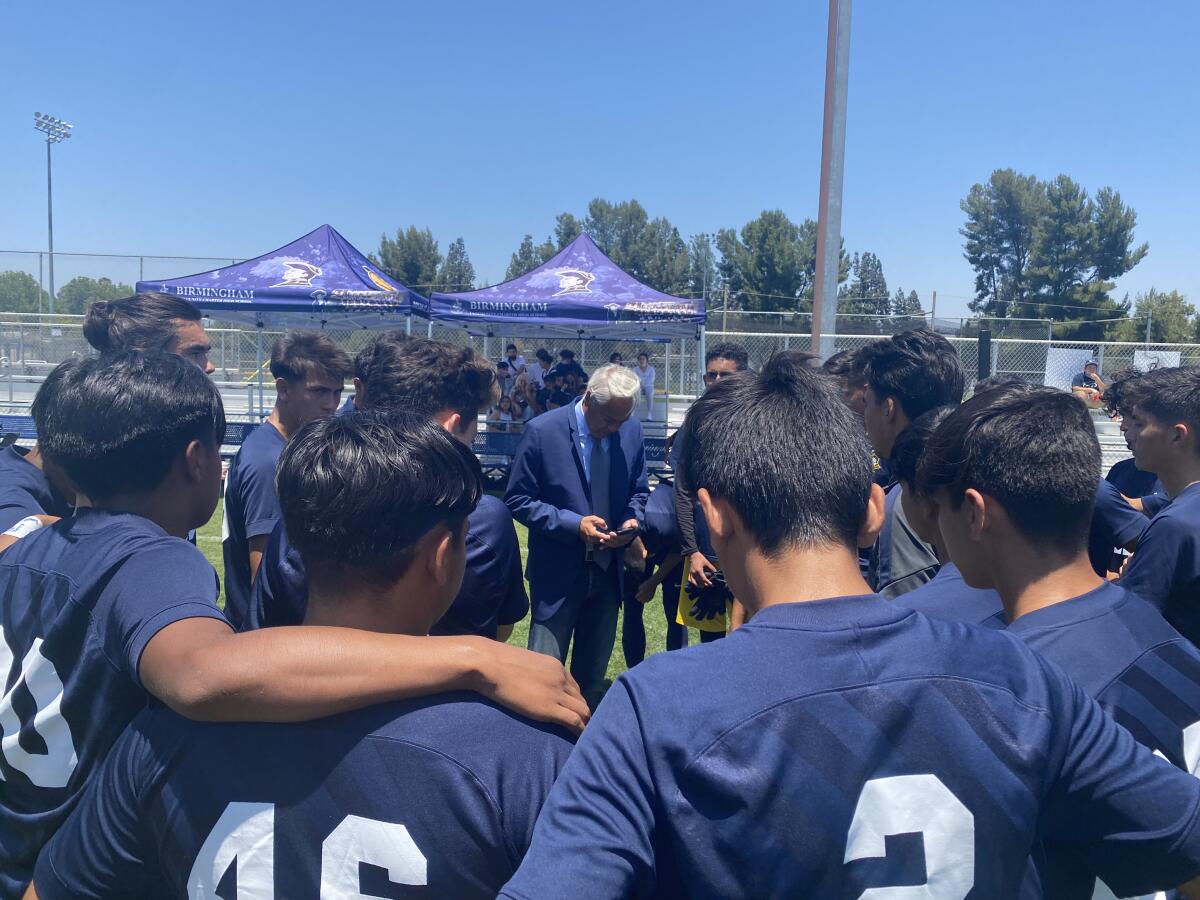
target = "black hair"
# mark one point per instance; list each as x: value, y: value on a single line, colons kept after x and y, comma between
x: 358, y: 492
x: 992, y: 382
x: 362, y: 360
x: 614, y: 356
x: 510, y: 347
x: 735, y: 353
x: 918, y: 368
x: 298, y: 354
x: 910, y: 445
x: 544, y: 355
x: 559, y: 398
x: 1121, y: 389
x: 145, y: 321
x: 751, y: 442
x: 1033, y: 449
x: 427, y: 376
x: 1169, y: 395
x: 839, y: 364
x: 116, y: 423
x: 566, y: 354
x: 642, y: 353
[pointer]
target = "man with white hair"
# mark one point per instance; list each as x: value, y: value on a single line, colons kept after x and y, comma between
x: 578, y: 482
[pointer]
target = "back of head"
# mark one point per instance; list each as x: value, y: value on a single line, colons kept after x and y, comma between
x: 1171, y: 396
x: 919, y: 368
x: 426, y: 377
x: 735, y: 353
x: 993, y: 382
x: 1121, y: 388
x: 544, y: 355
x: 614, y: 382
x: 144, y: 321
x: 300, y: 354
x: 116, y: 423
x: 1033, y: 449
x: 359, y: 491
x: 840, y: 364
x: 910, y: 445
x: 753, y: 442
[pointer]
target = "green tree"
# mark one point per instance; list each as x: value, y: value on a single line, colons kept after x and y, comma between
x: 566, y: 229
x: 529, y: 256
x: 619, y: 230
x: 19, y: 293
x: 1170, y: 317
x: 865, y: 295
x: 412, y: 257
x: 906, y: 304
x: 456, y: 273
x: 1002, y: 217
x: 80, y: 292
x: 703, y: 279
x: 662, y: 257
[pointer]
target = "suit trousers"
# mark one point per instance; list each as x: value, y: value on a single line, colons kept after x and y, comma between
x: 589, y: 613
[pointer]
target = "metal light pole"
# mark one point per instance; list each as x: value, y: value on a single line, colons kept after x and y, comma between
x: 56, y: 130
x: 833, y: 155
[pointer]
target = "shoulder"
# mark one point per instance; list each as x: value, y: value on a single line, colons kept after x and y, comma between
x: 554, y: 421
x: 491, y: 522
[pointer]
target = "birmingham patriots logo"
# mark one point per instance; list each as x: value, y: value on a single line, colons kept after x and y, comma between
x: 297, y: 273
x: 574, y: 281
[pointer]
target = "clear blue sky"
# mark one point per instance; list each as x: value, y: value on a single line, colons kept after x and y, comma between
x: 230, y: 128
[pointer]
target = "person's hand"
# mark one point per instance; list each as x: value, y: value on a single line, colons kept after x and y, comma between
x: 593, y: 529
x: 613, y: 540
x: 532, y: 684
x: 698, y: 573
x: 646, y: 591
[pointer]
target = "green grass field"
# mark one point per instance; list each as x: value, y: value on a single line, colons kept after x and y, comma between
x: 209, y: 540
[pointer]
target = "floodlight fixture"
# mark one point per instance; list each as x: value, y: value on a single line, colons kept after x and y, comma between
x: 56, y: 131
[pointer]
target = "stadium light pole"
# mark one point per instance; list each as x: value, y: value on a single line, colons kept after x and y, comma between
x: 833, y: 157
x: 56, y: 131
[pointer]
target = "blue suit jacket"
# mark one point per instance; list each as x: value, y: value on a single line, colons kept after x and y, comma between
x: 549, y: 494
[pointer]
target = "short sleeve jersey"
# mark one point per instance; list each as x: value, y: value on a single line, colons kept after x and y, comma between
x: 79, y: 602
x: 492, y: 593
x: 1165, y: 570
x: 1131, y: 481
x: 1114, y: 524
x: 900, y: 561
x: 949, y: 598
x: 1144, y: 674
x: 251, y: 510
x: 437, y: 793
x: 25, y: 490
x: 846, y: 745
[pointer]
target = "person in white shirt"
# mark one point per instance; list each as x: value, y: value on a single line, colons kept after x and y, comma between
x: 537, y: 373
x: 645, y: 374
x: 516, y: 362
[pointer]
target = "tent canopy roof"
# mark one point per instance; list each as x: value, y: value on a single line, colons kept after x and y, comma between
x: 318, y: 278
x: 577, y: 292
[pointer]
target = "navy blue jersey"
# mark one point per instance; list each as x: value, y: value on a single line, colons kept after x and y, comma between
x: 1131, y: 481
x: 1144, y: 674
x: 951, y: 599
x: 850, y: 744
x: 442, y: 793
x: 251, y: 510
x: 492, y: 592
x: 1165, y: 570
x: 900, y: 561
x: 25, y: 490
x: 1114, y: 524
x: 79, y: 601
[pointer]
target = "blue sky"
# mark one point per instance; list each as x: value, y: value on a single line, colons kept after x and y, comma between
x: 231, y: 128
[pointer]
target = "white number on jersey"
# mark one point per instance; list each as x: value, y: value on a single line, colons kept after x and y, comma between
x: 905, y: 804
x: 53, y: 768
x: 244, y: 837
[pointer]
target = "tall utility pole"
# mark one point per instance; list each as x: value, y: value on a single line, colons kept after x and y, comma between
x: 56, y: 130
x: 833, y: 157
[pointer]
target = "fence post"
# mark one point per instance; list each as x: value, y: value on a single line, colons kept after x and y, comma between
x: 984, y: 368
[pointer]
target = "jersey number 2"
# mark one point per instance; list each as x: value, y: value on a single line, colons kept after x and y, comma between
x: 905, y: 804
x: 53, y: 768
x: 244, y: 837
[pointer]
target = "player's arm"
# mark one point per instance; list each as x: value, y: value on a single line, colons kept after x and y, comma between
x: 1150, y: 573
x: 522, y: 496
x: 203, y: 670
x: 600, y: 816
x: 1134, y: 817
x: 258, y: 545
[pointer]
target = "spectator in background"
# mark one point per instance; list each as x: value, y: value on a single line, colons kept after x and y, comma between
x: 310, y: 371
x: 568, y: 366
x: 505, y: 378
x: 538, y: 372
x: 516, y: 362
x: 645, y: 374
x: 615, y: 359
x: 557, y: 399
x: 1088, y: 385
x: 501, y: 418
x: 906, y: 375
x: 579, y: 484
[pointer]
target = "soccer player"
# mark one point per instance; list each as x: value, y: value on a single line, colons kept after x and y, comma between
x: 907, y: 375
x: 837, y: 744
x: 31, y: 485
x: 442, y: 793
x: 1011, y: 472
x: 1143, y: 490
x: 450, y: 385
x: 1165, y: 428
x: 946, y: 596
x: 106, y: 610
x: 152, y: 322
x: 310, y: 371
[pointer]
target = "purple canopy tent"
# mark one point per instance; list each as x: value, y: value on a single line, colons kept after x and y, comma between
x: 317, y: 280
x: 578, y: 293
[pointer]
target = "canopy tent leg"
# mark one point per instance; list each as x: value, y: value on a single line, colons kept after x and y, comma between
x: 259, y: 354
x: 700, y: 353
x: 408, y: 324
x: 667, y: 386
x: 487, y: 346
x: 429, y: 329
